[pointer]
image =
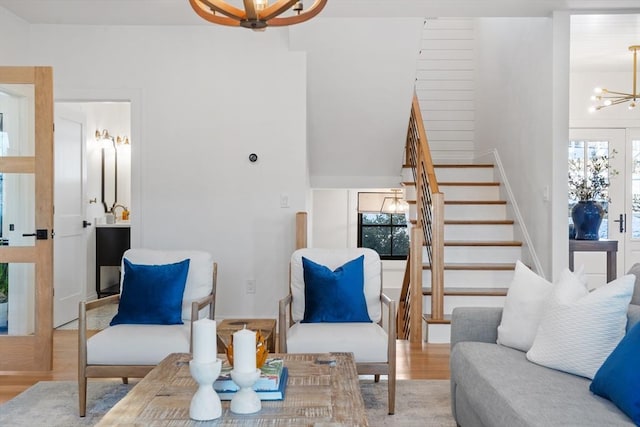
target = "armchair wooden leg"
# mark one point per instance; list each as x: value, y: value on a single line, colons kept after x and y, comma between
x: 391, y: 384
x: 82, y: 395
x: 125, y: 380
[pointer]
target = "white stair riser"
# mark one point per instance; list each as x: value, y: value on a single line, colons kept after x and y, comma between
x: 437, y: 333
x: 470, y: 192
x: 451, y: 302
x: 444, y: 174
x: 472, y: 278
x: 478, y: 232
x: 480, y: 254
x: 475, y: 212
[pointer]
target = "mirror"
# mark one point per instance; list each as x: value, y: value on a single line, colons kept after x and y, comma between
x: 109, y: 175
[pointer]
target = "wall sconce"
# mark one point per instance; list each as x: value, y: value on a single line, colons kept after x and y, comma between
x: 104, y: 134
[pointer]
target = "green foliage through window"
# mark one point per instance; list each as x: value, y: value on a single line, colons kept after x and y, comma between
x: 385, y: 233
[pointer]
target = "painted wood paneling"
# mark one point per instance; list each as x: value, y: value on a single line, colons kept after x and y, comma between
x: 445, y: 85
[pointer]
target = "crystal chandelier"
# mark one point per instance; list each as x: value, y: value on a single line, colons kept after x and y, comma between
x: 256, y: 14
x: 606, y: 97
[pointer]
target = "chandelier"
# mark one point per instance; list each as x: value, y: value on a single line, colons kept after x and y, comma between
x: 256, y: 14
x: 394, y: 204
x: 608, y: 97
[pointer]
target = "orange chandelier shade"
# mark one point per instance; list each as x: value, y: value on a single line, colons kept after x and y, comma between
x: 256, y: 14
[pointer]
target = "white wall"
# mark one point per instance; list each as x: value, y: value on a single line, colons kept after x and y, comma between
x: 14, y: 33
x: 207, y: 97
x: 514, y: 114
x: 361, y: 75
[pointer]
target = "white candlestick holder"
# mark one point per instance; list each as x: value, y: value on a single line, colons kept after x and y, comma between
x: 205, y: 403
x: 246, y: 400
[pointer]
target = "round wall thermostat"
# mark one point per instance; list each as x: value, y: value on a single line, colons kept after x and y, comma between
x: 253, y: 157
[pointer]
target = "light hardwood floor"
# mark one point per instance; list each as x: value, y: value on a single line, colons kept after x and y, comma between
x: 414, y: 361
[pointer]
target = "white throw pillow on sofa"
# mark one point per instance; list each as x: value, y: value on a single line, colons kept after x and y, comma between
x: 523, y: 308
x: 579, y: 329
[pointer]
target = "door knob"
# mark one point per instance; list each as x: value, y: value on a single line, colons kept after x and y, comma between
x: 40, y: 234
x: 621, y: 222
x: 85, y: 223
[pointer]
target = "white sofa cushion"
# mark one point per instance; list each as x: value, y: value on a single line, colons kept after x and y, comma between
x: 579, y: 329
x: 367, y: 341
x: 523, y: 308
x: 199, y: 278
x: 137, y: 344
x: 334, y: 258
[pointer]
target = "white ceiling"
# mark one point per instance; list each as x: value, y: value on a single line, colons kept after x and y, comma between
x: 598, y: 41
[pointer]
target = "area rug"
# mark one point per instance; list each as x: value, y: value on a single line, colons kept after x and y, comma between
x: 423, y: 403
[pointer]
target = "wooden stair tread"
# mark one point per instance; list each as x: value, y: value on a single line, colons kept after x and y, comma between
x: 475, y: 267
x: 408, y: 183
x: 470, y: 184
x: 489, y: 292
x: 446, y: 320
x: 475, y: 202
x: 479, y: 222
x: 482, y: 243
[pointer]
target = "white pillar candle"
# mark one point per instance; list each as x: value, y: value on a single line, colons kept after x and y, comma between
x: 244, y: 351
x: 204, y: 341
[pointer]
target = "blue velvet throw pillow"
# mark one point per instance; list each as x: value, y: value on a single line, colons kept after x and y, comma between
x: 618, y: 379
x: 152, y: 294
x: 334, y: 296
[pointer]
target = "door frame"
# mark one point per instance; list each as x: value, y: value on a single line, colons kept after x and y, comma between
x: 34, y: 352
x: 60, y: 256
x: 617, y: 140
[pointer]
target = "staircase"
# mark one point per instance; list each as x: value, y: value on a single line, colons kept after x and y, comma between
x: 479, y: 248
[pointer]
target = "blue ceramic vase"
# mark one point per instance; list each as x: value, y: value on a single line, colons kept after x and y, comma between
x: 587, y: 217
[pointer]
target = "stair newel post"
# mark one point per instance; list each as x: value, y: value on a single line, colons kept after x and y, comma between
x: 437, y: 266
x: 415, y: 283
x: 301, y: 230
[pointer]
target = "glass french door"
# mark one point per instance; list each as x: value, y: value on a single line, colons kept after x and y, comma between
x: 632, y: 195
x: 26, y: 218
x: 585, y: 144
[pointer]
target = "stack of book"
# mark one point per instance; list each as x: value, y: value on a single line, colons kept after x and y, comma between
x: 270, y: 386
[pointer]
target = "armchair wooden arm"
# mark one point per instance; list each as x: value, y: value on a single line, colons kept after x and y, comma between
x: 283, y: 324
x: 391, y: 331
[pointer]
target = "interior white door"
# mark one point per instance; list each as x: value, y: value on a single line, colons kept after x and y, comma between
x: 632, y: 197
x: 611, y: 141
x: 70, y: 257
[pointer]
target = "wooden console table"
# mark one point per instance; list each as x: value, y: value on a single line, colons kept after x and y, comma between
x: 322, y: 389
x: 605, y: 245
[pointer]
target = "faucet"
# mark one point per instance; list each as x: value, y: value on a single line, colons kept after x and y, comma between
x: 124, y: 209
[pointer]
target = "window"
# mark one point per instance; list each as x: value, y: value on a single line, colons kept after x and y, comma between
x: 384, y: 233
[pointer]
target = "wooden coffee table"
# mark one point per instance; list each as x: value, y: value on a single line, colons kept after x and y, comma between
x: 321, y: 389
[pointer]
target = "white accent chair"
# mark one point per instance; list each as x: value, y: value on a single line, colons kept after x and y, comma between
x: 134, y: 350
x: 374, y: 349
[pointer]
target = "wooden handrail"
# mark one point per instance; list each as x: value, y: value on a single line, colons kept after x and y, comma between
x: 430, y: 220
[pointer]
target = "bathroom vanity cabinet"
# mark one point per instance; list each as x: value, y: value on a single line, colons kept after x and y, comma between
x: 111, y: 242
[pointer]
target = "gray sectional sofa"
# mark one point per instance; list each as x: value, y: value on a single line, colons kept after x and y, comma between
x: 496, y: 386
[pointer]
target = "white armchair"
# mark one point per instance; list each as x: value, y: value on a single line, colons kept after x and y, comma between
x: 132, y: 350
x: 374, y: 348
